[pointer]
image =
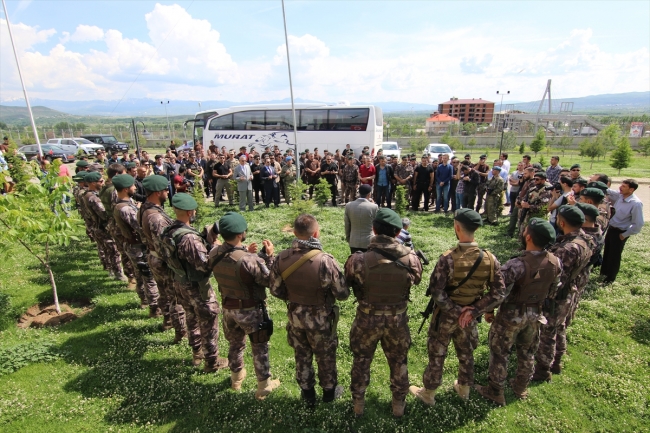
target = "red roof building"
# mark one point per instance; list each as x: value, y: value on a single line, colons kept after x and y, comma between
x: 439, y: 123
x: 474, y: 110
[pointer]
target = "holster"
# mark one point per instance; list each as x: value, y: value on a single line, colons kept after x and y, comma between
x: 265, y: 331
x: 143, y: 267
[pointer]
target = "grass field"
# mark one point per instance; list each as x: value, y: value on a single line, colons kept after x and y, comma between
x: 114, y: 370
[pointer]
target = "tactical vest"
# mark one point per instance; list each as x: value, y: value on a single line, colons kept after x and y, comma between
x: 582, y: 261
x: 170, y: 238
x: 474, y: 288
x: 303, y: 285
x: 232, y: 284
x: 106, y: 195
x: 92, y: 215
x: 540, y: 273
x: 131, y: 236
x: 147, y: 209
x: 385, y: 282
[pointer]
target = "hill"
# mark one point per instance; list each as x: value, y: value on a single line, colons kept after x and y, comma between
x: 11, y: 114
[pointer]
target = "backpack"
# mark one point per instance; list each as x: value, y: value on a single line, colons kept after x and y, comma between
x: 168, y: 248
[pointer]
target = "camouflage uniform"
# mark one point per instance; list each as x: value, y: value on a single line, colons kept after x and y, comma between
x: 605, y: 209
x: 374, y: 323
x: 125, y: 212
x: 596, y: 235
x: 349, y: 182
x: 538, y: 198
x: 444, y: 325
x: 311, y: 329
x: 482, y: 186
x: 493, y: 198
x: 239, y: 322
x: 404, y: 171
x: 108, y: 196
x: 78, y: 194
x: 152, y: 226
x: 99, y: 218
x: 288, y: 176
x: 574, y: 258
x: 517, y: 324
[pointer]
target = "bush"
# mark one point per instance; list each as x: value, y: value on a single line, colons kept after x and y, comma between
x: 7, y: 313
x: 522, y: 148
x: 400, y: 200
x: 322, y: 192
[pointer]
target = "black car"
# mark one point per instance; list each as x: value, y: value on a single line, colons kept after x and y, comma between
x: 108, y: 141
x: 49, y: 152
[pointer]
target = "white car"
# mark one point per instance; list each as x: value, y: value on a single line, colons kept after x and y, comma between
x: 435, y: 149
x: 88, y: 147
x: 391, y: 148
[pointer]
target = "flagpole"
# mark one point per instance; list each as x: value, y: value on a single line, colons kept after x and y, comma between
x: 22, y: 82
x: 293, y: 108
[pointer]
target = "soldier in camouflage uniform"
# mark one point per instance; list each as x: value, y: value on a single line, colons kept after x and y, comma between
x: 404, y: 176
x: 78, y: 193
x: 192, y: 284
x: 125, y: 214
x: 530, y: 279
x: 153, y: 220
x: 243, y: 277
x: 493, y: 196
x: 108, y: 196
x: 573, y: 248
x: 288, y: 176
x: 526, y: 182
x: 99, y: 218
x: 349, y: 179
x: 459, y: 294
x: 311, y: 281
x: 535, y: 203
x: 381, y: 279
x: 596, y: 195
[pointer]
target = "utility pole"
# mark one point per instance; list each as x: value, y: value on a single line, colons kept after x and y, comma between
x: 168, y: 127
x: 501, y: 116
x: 293, y: 107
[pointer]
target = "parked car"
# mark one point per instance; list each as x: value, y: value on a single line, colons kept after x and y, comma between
x: 435, y: 149
x: 88, y: 147
x: 391, y: 148
x: 50, y: 151
x: 108, y: 141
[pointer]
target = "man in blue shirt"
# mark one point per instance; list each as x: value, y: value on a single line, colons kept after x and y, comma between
x: 444, y: 173
x: 383, y: 177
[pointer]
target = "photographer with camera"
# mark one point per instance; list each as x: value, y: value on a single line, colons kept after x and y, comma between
x: 559, y: 196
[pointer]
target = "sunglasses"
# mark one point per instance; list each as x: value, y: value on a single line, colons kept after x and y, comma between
x: 575, y: 169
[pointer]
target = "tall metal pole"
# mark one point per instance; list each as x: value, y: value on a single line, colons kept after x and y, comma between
x: 503, y: 125
x: 22, y: 82
x: 293, y: 108
x: 169, y: 130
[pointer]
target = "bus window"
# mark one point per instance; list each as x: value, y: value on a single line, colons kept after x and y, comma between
x: 221, y: 123
x: 348, y: 119
x: 379, y: 116
x: 280, y: 119
x: 313, y: 120
x: 247, y: 120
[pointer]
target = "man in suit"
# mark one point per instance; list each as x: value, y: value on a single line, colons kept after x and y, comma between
x: 359, y: 215
x: 270, y: 178
x: 244, y: 178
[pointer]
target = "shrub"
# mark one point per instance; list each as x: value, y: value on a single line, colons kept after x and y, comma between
x: 400, y: 200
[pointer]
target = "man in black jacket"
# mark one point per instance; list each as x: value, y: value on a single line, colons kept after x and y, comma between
x: 471, y: 179
x: 140, y: 193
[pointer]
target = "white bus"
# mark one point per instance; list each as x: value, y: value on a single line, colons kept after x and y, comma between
x: 327, y: 127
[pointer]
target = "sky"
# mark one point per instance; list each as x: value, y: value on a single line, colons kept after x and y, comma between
x: 357, y: 51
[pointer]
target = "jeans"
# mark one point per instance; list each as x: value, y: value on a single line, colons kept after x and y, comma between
x: 383, y: 193
x: 459, y: 200
x: 442, y: 197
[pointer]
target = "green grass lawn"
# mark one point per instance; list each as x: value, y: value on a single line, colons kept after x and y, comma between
x: 114, y: 370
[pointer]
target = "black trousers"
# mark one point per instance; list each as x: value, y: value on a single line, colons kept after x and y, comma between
x: 418, y: 191
x: 612, y: 254
x: 271, y: 193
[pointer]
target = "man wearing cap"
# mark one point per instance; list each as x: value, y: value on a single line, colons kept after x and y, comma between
x: 483, y: 170
x: 627, y: 220
x: 575, y: 172
x: 358, y: 218
x: 494, y: 187
x: 535, y: 203
x: 192, y: 284
x: 244, y: 178
x: 560, y: 198
x: 529, y: 279
x: 470, y: 179
x: 99, y: 219
x: 329, y: 170
x: 349, y: 179
x: 311, y: 282
x: 381, y: 279
x: 243, y: 277
x: 527, y: 180
x: 403, y: 175
x: 288, y: 176
x: 78, y: 193
x: 595, y: 195
x: 81, y: 165
x: 465, y: 283
x: 574, y: 250
x: 153, y: 220
x: 125, y: 214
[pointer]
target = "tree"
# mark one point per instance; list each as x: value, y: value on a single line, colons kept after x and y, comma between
x: 565, y: 143
x: 470, y: 128
x: 400, y: 200
x: 644, y: 146
x: 622, y: 156
x: 3, y: 125
x: 34, y: 218
x: 322, y: 192
x: 522, y: 148
x: 471, y: 142
x: 610, y: 136
x: 592, y: 149
x: 418, y: 144
x: 510, y: 140
x: 539, y: 142
x: 445, y: 138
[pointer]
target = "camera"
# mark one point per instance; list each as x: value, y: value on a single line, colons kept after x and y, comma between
x: 422, y: 257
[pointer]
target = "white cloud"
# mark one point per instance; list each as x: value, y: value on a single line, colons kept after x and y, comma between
x: 85, y: 33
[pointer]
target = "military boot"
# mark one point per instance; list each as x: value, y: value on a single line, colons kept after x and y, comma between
x: 461, y: 390
x: 358, y: 406
x: 541, y: 375
x: 119, y: 276
x: 214, y: 365
x: 309, y: 395
x: 398, y: 407
x: 237, y: 378
x: 197, y: 358
x: 179, y: 337
x: 154, y: 311
x: 521, y: 392
x: 491, y: 394
x: 427, y: 396
x: 556, y: 368
x: 332, y: 394
x: 265, y: 387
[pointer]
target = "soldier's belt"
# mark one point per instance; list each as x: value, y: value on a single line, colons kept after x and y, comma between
x: 239, y: 304
x: 374, y: 312
x: 535, y: 308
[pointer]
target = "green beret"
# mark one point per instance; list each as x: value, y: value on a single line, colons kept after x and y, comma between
x: 572, y: 215
x: 575, y: 166
x: 232, y: 223
x: 129, y: 165
x: 184, y: 201
x: 469, y: 217
x: 122, y: 181
x: 483, y: 156
x: 541, y: 174
x: 389, y: 217
x: 82, y: 163
x: 79, y: 177
x: 588, y: 209
x: 593, y: 193
x: 93, y: 176
x: 543, y: 229
x: 537, y: 166
x: 599, y: 185
x: 581, y: 181
x: 155, y: 183
x: 350, y: 157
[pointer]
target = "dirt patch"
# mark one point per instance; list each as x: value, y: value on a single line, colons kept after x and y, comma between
x: 287, y: 229
x: 39, y: 316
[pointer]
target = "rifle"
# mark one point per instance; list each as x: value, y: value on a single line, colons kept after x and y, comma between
x: 426, y: 313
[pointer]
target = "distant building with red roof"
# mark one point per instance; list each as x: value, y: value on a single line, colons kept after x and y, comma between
x: 439, y: 123
x: 475, y: 110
